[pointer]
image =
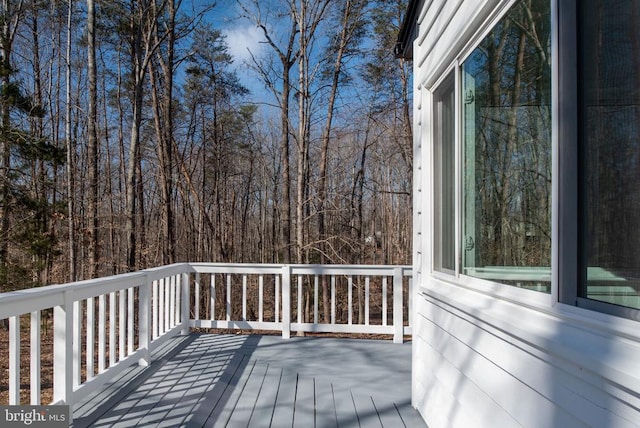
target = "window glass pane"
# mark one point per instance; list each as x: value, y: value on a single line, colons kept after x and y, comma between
x: 444, y: 177
x: 507, y: 151
x: 610, y: 97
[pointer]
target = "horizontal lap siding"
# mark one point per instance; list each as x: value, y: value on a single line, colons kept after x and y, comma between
x: 473, y: 369
x: 470, y: 362
x: 448, y: 398
x: 445, y: 27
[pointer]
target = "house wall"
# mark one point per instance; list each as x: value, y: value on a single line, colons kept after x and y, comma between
x: 488, y: 355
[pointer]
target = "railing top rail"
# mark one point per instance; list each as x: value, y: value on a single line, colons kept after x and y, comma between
x: 299, y: 269
x: 237, y: 268
x: 35, y: 299
x: 167, y: 270
x: 379, y: 270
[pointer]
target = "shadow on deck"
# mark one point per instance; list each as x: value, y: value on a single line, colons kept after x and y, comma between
x: 261, y: 381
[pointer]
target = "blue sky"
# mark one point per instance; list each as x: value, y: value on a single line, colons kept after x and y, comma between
x: 242, y: 36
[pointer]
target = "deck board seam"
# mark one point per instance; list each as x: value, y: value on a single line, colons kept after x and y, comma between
x: 335, y: 410
x: 353, y: 400
x: 253, y: 409
x: 295, y: 400
x: 377, y: 411
x: 400, y: 414
x: 315, y: 405
x: 275, y: 403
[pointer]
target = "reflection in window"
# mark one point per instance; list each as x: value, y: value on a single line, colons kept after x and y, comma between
x: 610, y: 96
x: 506, y: 90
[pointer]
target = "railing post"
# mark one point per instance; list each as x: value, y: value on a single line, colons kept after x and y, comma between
x: 398, y: 319
x: 144, y: 319
x: 14, y: 360
x: 185, y: 301
x: 155, y: 309
x: 77, y: 342
x: 35, y: 357
x: 410, y: 304
x: 63, y: 350
x: 286, y: 302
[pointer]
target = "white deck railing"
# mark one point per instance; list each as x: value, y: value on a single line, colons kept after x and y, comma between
x: 119, y: 321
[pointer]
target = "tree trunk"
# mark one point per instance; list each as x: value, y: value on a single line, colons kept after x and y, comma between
x: 130, y: 184
x: 143, y: 46
x: 162, y: 96
x: 6, y: 44
x: 92, y: 141
x: 71, y: 150
x: 286, y: 168
x: 303, y: 123
x: 324, y: 151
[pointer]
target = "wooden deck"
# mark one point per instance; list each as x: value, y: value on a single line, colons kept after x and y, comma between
x: 261, y: 381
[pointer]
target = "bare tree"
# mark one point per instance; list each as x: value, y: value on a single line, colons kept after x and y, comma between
x: 309, y: 15
x: 350, y: 32
x: 279, y: 83
x: 71, y: 245
x: 12, y: 14
x: 92, y: 141
x: 162, y: 96
x: 143, y: 42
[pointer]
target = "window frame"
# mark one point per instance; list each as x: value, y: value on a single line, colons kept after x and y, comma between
x: 565, y: 90
x: 567, y: 271
x: 456, y: 277
x: 443, y: 86
x: 497, y: 289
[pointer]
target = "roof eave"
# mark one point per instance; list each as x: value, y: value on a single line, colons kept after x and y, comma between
x: 404, y: 44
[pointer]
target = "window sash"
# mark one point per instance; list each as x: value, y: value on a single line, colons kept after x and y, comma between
x: 507, y: 163
x: 444, y: 176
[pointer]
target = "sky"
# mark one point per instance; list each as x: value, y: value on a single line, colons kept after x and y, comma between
x: 242, y: 37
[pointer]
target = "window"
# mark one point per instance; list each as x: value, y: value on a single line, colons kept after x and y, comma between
x: 498, y: 157
x: 609, y: 135
x: 494, y: 126
x: 444, y: 176
x: 506, y: 138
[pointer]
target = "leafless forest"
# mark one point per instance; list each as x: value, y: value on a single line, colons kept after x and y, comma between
x: 128, y: 139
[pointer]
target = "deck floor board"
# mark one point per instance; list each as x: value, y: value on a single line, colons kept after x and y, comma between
x: 285, y: 401
x: 261, y: 381
x: 305, y: 406
x: 325, y: 406
x: 265, y: 405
